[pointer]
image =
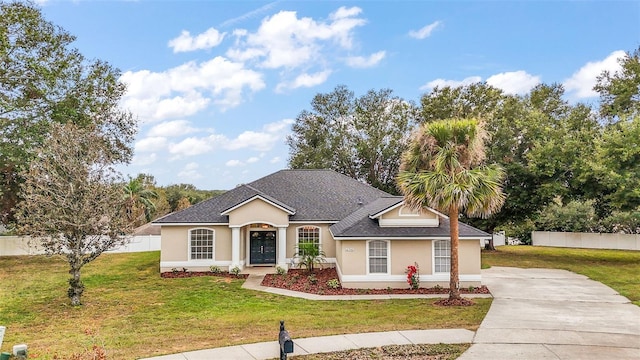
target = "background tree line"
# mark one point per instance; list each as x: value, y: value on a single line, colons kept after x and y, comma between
x: 569, y: 166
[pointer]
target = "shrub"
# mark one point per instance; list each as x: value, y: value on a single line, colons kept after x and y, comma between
x: 333, y: 284
x: 312, y: 279
x: 235, y: 271
x: 214, y: 269
x: 310, y: 255
x: 280, y: 270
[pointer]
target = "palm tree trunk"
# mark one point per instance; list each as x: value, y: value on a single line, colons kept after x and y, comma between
x: 454, y: 291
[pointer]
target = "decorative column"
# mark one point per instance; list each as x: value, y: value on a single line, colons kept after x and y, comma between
x: 235, y: 247
x: 282, y: 247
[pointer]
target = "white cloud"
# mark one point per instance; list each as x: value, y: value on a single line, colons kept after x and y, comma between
x: 149, y: 144
x: 451, y: 83
x: 143, y: 160
x: 284, y: 40
x: 514, y: 82
x: 261, y: 141
x: 207, y: 40
x: 425, y: 31
x: 305, y: 80
x: 581, y: 83
x: 190, y: 171
x: 191, y: 146
x: 253, y: 159
x: 234, y: 163
x: 275, y: 160
x: 189, y: 88
x: 366, y: 62
x: 171, y: 129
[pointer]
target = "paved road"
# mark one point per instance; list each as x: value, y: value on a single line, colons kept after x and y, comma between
x: 554, y: 314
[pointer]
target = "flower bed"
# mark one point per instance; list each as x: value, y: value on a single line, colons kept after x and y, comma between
x: 318, y: 283
x: 187, y: 274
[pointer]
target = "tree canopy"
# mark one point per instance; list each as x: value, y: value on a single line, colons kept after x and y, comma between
x: 44, y: 80
x: 72, y: 200
x: 360, y: 137
x: 558, y: 156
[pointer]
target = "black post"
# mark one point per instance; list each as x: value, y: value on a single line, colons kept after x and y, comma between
x: 286, y: 344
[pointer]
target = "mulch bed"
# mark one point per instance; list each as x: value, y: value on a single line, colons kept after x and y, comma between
x: 316, y: 283
x: 187, y: 274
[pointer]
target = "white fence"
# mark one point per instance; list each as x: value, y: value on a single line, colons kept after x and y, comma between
x: 18, y: 245
x: 586, y: 240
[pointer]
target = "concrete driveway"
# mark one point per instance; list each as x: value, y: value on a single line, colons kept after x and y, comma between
x: 554, y: 314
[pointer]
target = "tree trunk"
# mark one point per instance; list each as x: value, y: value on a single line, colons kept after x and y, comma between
x: 454, y: 291
x: 76, y: 287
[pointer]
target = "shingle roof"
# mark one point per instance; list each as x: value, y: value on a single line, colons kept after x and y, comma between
x: 316, y: 195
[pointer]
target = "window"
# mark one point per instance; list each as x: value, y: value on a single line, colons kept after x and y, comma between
x: 442, y: 256
x: 201, y: 242
x: 308, y: 235
x: 378, y: 257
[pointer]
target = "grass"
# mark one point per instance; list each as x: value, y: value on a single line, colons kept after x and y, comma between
x: 618, y: 269
x: 131, y: 312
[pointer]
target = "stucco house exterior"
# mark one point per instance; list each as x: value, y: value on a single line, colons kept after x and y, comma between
x: 367, y: 234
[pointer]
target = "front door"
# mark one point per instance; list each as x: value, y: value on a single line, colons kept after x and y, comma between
x: 263, y: 247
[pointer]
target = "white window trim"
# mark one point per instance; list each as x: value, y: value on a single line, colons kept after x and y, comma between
x: 433, y: 257
x: 298, y: 236
x: 388, y: 258
x: 213, y: 252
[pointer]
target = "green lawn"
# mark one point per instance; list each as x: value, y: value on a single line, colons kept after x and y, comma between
x: 131, y: 312
x: 618, y: 269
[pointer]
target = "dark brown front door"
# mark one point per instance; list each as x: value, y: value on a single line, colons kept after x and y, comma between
x: 263, y: 247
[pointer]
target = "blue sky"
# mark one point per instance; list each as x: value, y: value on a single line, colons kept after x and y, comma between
x: 216, y: 85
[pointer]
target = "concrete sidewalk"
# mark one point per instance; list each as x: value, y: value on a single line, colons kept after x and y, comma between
x: 554, y: 314
x: 271, y: 349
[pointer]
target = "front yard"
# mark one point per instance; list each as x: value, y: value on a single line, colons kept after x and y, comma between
x: 131, y: 312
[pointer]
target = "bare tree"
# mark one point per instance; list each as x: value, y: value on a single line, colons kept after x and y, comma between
x: 73, y: 200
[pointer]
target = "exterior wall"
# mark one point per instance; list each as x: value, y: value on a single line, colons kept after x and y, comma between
x: 404, y: 216
x: 469, y: 257
x: 354, y: 257
x: 586, y: 240
x: 395, y: 214
x: 352, y: 264
x: 258, y: 211
x: 327, y: 244
x: 175, y: 248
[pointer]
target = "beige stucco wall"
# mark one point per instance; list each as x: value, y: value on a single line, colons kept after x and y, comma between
x: 328, y: 245
x: 408, y: 252
x: 174, y: 244
x: 353, y: 259
x: 395, y: 214
x: 469, y: 257
x: 258, y: 211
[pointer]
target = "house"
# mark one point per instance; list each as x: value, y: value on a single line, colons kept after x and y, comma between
x: 367, y: 234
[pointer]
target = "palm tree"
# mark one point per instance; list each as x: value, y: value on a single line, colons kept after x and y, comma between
x: 442, y: 169
x: 140, y: 205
